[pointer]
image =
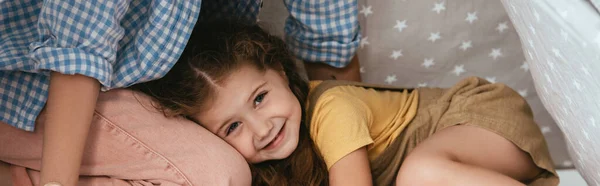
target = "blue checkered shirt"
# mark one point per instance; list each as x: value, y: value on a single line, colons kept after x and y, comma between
x: 123, y: 42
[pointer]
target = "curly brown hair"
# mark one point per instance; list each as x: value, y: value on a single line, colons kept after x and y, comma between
x: 216, y: 49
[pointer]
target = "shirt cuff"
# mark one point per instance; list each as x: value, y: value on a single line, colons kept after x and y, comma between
x: 328, y: 50
x: 323, y: 31
x: 71, y: 61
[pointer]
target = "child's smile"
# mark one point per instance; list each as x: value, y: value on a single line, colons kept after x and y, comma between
x: 256, y: 113
x: 277, y: 140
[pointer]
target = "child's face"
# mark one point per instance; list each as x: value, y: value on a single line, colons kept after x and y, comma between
x: 256, y: 113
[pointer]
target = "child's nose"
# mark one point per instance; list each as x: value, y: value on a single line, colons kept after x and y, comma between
x: 261, y: 129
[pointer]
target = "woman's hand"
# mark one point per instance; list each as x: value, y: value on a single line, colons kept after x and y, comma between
x: 70, y: 107
x: 321, y: 71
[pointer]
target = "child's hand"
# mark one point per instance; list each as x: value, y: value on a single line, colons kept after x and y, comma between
x: 321, y: 71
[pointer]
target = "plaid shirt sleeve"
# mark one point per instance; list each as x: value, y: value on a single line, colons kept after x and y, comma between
x: 323, y: 31
x: 82, y: 37
x: 117, y: 42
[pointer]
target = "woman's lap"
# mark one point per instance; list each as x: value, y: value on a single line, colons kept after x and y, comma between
x: 129, y: 140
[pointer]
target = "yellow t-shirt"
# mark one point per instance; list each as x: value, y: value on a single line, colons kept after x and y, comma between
x: 346, y: 118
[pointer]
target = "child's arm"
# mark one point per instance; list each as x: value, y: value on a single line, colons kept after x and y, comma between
x: 352, y: 169
x: 70, y: 107
x: 340, y: 128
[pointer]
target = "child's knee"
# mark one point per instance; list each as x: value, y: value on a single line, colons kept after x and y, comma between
x: 420, y: 170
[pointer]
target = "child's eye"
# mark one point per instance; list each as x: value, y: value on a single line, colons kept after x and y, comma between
x: 259, y: 98
x: 231, y: 128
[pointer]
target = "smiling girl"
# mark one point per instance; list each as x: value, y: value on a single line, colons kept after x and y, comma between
x: 241, y: 83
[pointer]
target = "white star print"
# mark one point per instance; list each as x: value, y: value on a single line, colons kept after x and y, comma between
x: 502, y: 26
x: 581, y: 146
x: 391, y: 79
x: 564, y: 34
x: 428, y: 62
x: 400, y: 25
x: 586, y: 134
x: 396, y: 54
x: 471, y: 17
x: 551, y: 65
x: 536, y: 15
x: 593, y: 121
x: 577, y: 85
x: 597, y: 39
x: 458, y: 69
x: 564, y: 110
x: 525, y: 66
x: 556, y: 53
x: 466, y: 45
x: 569, y: 101
x: 366, y: 10
x: 585, y: 70
x: 439, y: 7
x: 548, y: 79
x: 491, y: 79
x: 496, y: 52
x: 362, y: 70
x: 532, y: 29
x: 422, y: 85
x: 546, y: 129
x: 434, y: 36
x: 364, y: 41
x: 545, y: 90
x: 530, y: 42
x: 523, y: 92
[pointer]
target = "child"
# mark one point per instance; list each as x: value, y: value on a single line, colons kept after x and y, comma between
x: 241, y: 84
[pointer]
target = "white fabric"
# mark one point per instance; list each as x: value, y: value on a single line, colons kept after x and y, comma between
x: 561, y: 41
x: 596, y: 3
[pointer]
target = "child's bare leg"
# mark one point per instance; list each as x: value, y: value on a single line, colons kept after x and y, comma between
x: 5, y: 177
x: 466, y: 155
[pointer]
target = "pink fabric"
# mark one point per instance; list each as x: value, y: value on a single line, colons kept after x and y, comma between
x: 130, y: 143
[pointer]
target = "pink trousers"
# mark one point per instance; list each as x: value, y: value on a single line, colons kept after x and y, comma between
x: 130, y: 143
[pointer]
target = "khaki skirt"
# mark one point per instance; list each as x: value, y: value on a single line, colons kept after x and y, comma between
x: 476, y: 102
